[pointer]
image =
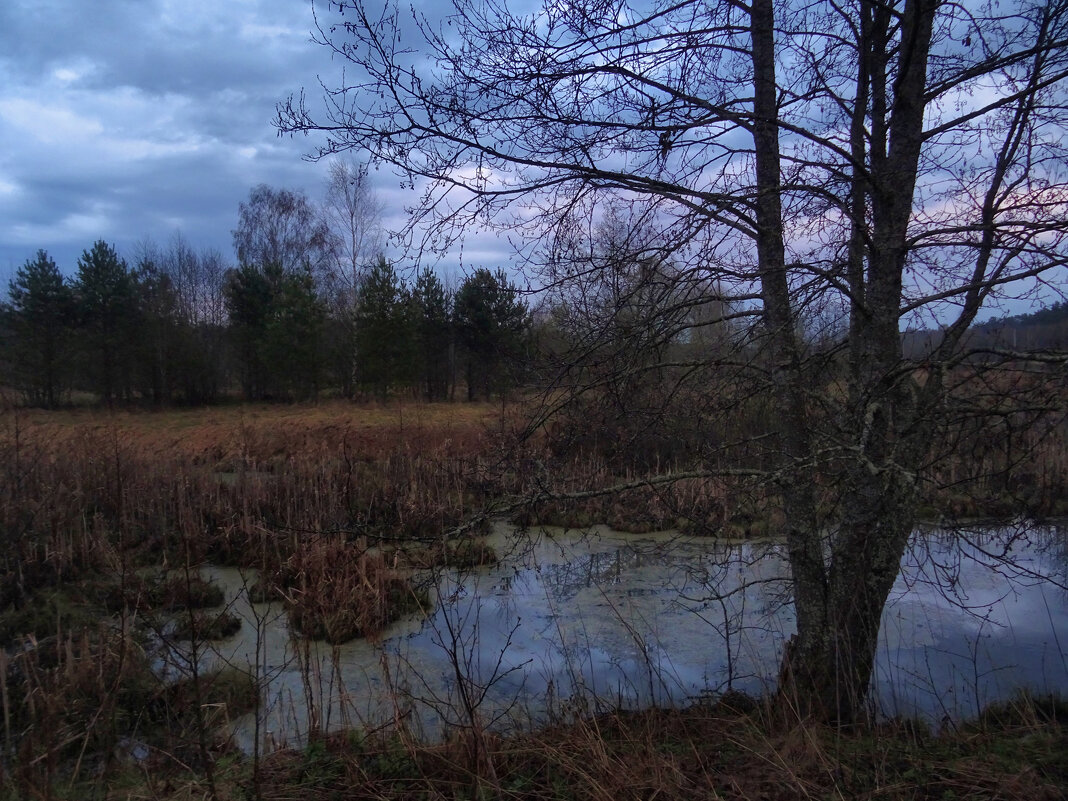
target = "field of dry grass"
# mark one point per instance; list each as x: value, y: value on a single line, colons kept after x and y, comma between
x: 94, y: 502
x: 252, y: 432
x: 212, y: 476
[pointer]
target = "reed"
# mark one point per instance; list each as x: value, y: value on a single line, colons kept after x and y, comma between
x: 71, y: 697
x: 91, y: 486
x: 336, y: 590
x: 94, y: 507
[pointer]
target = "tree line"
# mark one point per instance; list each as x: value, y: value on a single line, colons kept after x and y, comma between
x: 182, y: 326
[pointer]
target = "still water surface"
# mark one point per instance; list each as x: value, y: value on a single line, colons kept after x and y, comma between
x: 574, y: 621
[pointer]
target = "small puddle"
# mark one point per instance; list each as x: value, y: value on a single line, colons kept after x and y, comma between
x: 572, y: 622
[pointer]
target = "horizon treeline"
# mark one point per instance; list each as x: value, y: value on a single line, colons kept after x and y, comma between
x: 312, y: 307
x: 178, y: 326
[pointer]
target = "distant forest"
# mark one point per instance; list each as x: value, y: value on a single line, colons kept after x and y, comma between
x: 308, y: 308
x: 1044, y: 329
x: 182, y: 327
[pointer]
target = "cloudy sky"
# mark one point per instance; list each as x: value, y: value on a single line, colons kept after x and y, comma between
x: 127, y: 119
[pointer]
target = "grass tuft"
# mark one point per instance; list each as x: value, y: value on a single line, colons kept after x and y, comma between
x: 339, y: 590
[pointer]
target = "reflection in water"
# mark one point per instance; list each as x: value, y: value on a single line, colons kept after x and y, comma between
x: 578, y: 621
x: 973, y: 617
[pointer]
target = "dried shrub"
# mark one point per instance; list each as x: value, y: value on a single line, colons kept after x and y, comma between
x: 166, y: 590
x: 461, y: 553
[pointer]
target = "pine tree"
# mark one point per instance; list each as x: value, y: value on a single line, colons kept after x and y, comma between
x: 105, y: 295
x: 492, y: 324
x: 384, y: 337
x: 42, y: 308
x: 433, y: 333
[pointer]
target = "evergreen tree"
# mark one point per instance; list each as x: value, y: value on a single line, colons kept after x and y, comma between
x: 294, y: 335
x: 492, y: 324
x: 276, y: 314
x: 433, y: 334
x: 161, y: 340
x: 384, y: 337
x: 106, y: 304
x: 249, y: 298
x: 42, y: 307
x: 276, y: 321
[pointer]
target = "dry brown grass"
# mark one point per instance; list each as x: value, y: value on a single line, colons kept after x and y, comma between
x: 70, y: 697
x: 90, y: 498
x: 321, y: 496
x: 705, y: 506
x: 236, y: 484
x: 253, y: 432
x: 704, y: 752
x: 336, y: 590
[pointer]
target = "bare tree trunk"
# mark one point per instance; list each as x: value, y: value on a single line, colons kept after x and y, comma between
x: 841, y: 584
x: 802, y: 535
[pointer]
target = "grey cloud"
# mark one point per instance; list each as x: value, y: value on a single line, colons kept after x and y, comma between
x: 142, y: 117
x: 130, y: 119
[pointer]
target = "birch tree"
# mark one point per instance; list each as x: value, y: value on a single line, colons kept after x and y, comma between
x: 353, y: 216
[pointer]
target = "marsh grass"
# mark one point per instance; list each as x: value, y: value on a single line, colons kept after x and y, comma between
x: 710, y: 506
x: 206, y: 626
x: 164, y: 590
x: 243, y: 487
x: 461, y: 553
x: 71, y: 696
x: 337, y: 590
x: 705, y: 751
x: 95, y: 505
x: 82, y: 490
x: 66, y: 607
x: 232, y: 691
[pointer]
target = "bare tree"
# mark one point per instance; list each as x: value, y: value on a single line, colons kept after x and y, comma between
x: 638, y: 336
x: 353, y: 216
x: 281, y: 228
x: 183, y: 316
x: 903, y: 161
